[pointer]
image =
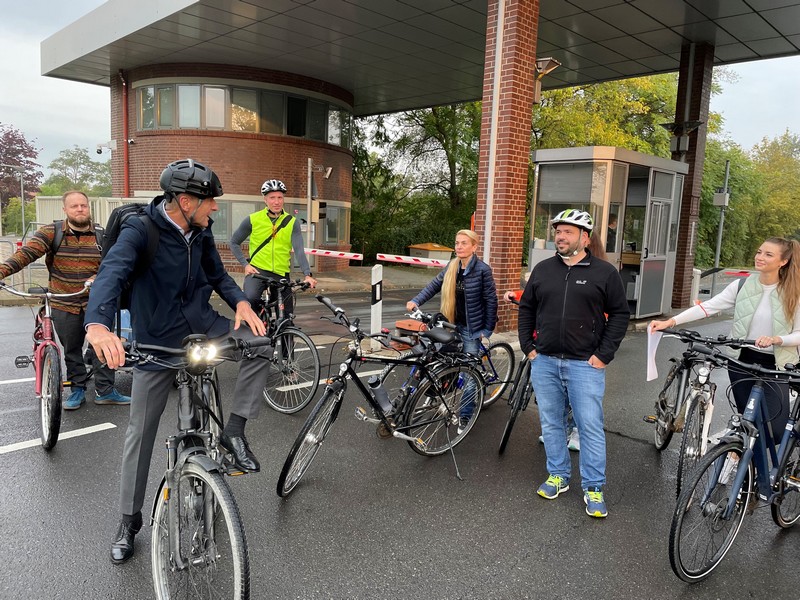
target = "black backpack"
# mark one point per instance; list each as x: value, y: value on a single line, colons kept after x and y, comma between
x: 116, y: 220
x: 58, y: 238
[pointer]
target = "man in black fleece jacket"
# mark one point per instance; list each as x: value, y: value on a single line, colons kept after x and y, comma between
x: 572, y: 318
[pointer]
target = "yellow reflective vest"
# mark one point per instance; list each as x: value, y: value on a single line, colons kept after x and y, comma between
x: 275, y: 255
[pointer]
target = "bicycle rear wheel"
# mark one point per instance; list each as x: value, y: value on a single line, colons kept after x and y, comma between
x: 212, y: 541
x: 498, y: 370
x: 520, y: 396
x: 691, y: 444
x: 294, y: 372
x: 786, y: 506
x: 309, y: 440
x: 665, y: 407
x: 700, y: 536
x: 442, y: 411
x: 50, y: 399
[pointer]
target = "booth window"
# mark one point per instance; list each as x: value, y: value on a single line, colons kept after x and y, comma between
x: 244, y: 110
x: 337, y: 225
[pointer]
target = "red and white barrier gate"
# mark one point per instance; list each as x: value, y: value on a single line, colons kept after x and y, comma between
x: 334, y: 254
x: 413, y: 260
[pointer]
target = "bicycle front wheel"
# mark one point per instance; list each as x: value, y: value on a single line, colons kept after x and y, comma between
x: 498, y: 370
x: 520, y: 396
x: 309, y: 440
x: 211, y: 540
x: 691, y: 444
x: 665, y: 407
x: 442, y: 411
x: 294, y: 372
x: 50, y: 399
x: 786, y: 506
x: 701, y: 534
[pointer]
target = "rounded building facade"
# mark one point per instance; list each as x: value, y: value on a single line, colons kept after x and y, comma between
x: 248, y: 125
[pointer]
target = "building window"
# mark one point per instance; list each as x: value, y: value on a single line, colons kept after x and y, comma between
x: 196, y: 106
x: 244, y: 110
x: 317, y: 119
x: 295, y: 116
x: 189, y: 106
x: 147, y: 108
x: 337, y: 225
x: 214, y: 107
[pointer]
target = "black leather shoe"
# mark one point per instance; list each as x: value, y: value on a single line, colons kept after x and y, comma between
x: 122, y: 548
x: 242, y: 455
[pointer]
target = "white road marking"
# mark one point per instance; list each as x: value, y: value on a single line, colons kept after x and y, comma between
x: 63, y: 436
x: 26, y: 380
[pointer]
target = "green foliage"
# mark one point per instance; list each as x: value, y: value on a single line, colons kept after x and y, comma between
x: 12, y: 216
x: 74, y: 169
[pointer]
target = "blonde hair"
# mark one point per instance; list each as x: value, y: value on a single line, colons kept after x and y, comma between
x: 448, y: 304
x: 788, y: 275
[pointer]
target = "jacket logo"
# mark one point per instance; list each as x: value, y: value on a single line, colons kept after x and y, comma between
x: 580, y: 282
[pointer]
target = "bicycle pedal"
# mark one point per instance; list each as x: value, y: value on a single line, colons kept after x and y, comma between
x: 22, y: 362
x: 419, y: 442
x: 362, y: 415
x: 650, y: 419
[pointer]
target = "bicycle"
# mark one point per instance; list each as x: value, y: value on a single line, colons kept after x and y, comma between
x: 686, y: 403
x: 294, y: 376
x: 728, y: 481
x: 496, y: 360
x: 521, y: 394
x: 46, y: 361
x: 198, y: 545
x: 433, y: 415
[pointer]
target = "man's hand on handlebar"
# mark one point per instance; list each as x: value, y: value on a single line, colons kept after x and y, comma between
x: 107, y: 346
x: 245, y: 314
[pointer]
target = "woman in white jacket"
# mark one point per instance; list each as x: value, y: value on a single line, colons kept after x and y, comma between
x: 765, y: 309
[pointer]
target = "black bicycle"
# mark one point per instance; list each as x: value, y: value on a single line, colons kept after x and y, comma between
x: 729, y: 480
x: 294, y: 365
x: 198, y: 545
x: 433, y: 415
x: 521, y: 394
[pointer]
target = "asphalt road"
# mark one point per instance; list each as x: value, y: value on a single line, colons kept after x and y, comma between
x: 371, y: 518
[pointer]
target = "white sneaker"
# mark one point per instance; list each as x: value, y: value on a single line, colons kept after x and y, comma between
x: 574, y: 440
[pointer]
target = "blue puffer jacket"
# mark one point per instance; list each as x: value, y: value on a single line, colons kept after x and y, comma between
x: 480, y: 297
x: 171, y: 299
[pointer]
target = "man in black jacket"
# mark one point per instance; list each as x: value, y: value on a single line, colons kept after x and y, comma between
x: 173, y: 292
x: 572, y: 318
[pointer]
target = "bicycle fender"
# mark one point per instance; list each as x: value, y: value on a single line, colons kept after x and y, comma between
x: 204, y: 461
x: 157, y: 499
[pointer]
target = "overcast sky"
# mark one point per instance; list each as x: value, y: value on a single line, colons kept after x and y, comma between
x: 55, y: 115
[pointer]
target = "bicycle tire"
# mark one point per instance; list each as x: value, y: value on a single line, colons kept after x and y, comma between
x: 434, y: 412
x: 309, y: 440
x: 520, y: 397
x: 50, y: 398
x: 498, y: 371
x: 785, y: 507
x: 691, y: 443
x: 699, y: 537
x: 665, y: 407
x: 212, y: 540
x: 294, y: 372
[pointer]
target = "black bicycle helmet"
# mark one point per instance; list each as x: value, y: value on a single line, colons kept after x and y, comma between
x: 272, y: 185
x: 190, y: 177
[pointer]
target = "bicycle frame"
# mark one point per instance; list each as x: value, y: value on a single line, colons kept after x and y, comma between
x: 704, y: 391
x: 43, y: 336
x: 754, y: 428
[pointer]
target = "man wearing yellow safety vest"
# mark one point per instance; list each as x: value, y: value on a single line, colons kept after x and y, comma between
x: 273, y: 235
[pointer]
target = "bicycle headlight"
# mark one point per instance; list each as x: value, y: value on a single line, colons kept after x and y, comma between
x: 202, y: 354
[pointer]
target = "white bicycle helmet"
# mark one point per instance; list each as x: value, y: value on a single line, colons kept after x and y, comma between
x: 272, y: 185
x: 575, y: 217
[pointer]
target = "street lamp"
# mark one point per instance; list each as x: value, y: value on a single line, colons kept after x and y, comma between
x: 542, y: 67
x: 21, y: 172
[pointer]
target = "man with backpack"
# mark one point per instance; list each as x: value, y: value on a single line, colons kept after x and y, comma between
x: 72, y: 248
x: 273, y: 235
x: 170, y: 299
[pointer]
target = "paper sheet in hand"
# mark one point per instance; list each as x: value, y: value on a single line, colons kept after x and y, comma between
x: 652, y: 345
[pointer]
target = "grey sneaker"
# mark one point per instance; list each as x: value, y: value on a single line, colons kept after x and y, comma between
x: 574, y: 440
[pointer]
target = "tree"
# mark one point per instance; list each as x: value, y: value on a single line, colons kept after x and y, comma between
x: 15, y: 149
x: 75, y: 170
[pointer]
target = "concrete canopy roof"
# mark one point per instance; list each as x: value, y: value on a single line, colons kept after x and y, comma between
x: 402, y: 54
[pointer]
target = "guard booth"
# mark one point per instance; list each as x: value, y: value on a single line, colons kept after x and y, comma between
x: 634, y: 199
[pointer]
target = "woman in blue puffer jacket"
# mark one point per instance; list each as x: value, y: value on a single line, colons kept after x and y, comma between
x: 469, y: 297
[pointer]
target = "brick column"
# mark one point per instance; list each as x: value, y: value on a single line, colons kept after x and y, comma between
x: 694, y: 94
x: 511, y: 32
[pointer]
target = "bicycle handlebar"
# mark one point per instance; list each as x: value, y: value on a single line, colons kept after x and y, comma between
x: 693, y: 337
x: 431, y: 320
x: 791, y: 372
x: 196, y: 350
x: 285, y: 282
x: 42, y: 292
